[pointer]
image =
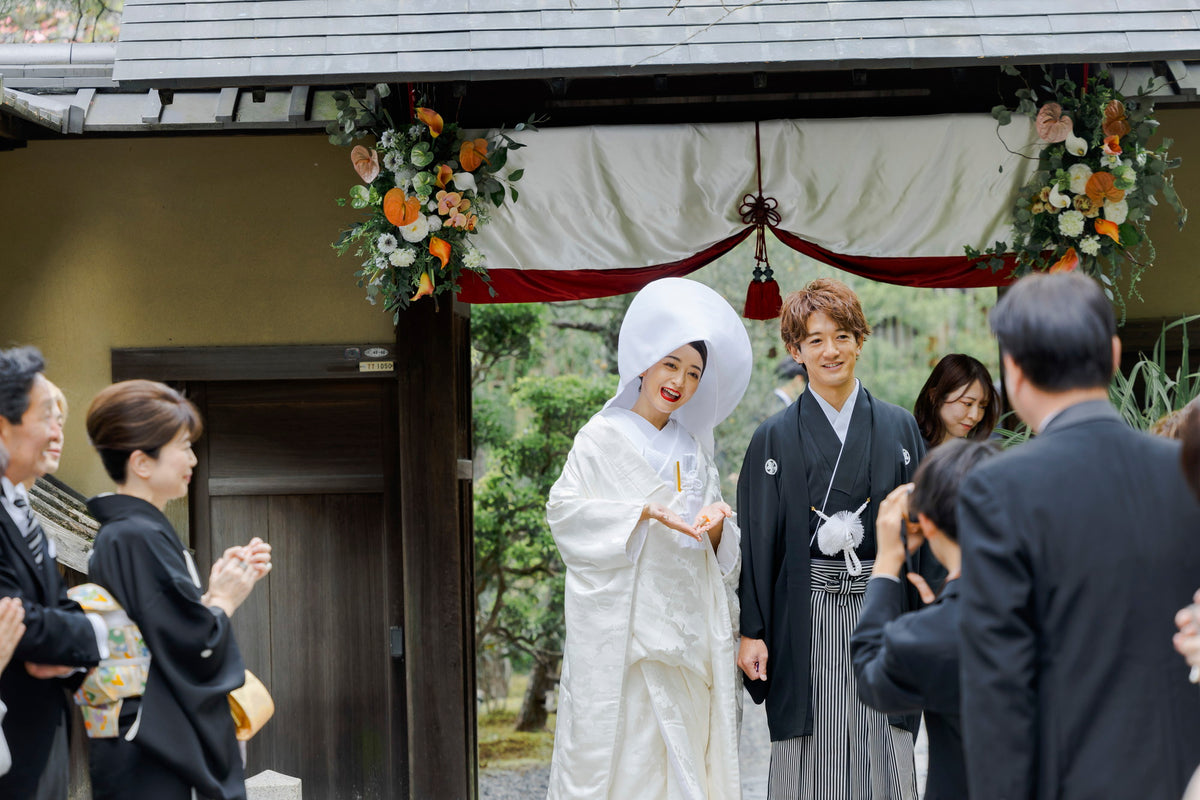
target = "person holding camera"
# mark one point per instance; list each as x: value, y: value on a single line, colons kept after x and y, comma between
x: 908, y: 663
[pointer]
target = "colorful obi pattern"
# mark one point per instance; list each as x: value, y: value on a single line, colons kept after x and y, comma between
x: 122, y: 674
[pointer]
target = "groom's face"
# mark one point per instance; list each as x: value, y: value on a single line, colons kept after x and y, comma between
x: 829, y: 351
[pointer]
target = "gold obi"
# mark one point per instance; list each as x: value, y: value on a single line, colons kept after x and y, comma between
x: 121, y: 675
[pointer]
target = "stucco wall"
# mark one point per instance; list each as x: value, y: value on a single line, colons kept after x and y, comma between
x: 167, y: 242
x: 1172, y: 286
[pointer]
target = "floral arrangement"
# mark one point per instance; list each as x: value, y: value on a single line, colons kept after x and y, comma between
x: 1087, y: 204
x: 428, y: 188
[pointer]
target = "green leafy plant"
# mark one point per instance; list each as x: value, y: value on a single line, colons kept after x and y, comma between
x: 1144, y: 395
x: 1148, y: 392
x: 1087, y: 204
x: 428, y: 187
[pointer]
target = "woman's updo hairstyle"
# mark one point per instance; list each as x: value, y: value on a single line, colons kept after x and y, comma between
x: 137, y: 415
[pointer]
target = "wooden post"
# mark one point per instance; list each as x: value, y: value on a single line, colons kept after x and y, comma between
x: 433, y: 370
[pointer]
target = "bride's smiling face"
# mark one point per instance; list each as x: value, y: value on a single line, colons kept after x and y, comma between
x: 669, y: 384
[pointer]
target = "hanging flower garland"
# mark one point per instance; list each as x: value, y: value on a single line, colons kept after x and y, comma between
x: 428, y: 188
x: 1087, y: 205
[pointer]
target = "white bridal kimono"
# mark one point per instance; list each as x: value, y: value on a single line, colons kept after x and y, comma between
x: 649, y: 701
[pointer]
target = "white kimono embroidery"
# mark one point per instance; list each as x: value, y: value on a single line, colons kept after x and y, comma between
x: 649, y: 701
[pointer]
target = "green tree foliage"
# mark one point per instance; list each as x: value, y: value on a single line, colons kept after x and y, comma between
x: 38, y: 21
x: 524, y: 427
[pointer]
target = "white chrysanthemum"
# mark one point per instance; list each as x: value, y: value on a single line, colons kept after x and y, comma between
x: 1070, y: 223
x: 435, y: 222
x: 417, y: 231
x: 416, y: 130
x: 1079, y: 174
x: 404, y: 257
x: 1089, y: 245
x: 388, y: 138
x: 1116, y: 212
x: 404, y: 174
x: 392, y: 161
x: 381, y: 263
x: 386, y: 243
x: 473, y: 259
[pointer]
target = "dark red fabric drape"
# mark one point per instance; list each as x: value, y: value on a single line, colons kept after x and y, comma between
x: 539, y: 285
x: 545, y: 285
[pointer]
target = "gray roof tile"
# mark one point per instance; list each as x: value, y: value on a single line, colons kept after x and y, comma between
x: 168, y: 43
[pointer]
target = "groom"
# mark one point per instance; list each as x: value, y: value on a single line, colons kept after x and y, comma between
x: 835, y: 449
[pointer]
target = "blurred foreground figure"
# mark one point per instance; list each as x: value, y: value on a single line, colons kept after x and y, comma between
x: 1077, y: 551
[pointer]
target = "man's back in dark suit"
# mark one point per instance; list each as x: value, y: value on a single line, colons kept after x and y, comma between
x: 905, y: 663
x: 1078, y: 548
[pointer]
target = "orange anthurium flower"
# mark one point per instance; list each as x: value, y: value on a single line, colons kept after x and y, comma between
x: 1106, y: 227
x: 440, y: 249
x: 1100, y: 188
x: 432, y: 119
x: 1112, y: 146
x: 444, y: 176
x: 1115, y: 122
x: 400, y: 209
x: 1067, y: 263
x: 472, y: 153
x: 424, y: 288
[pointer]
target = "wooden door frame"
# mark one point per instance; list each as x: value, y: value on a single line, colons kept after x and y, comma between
x: 429, y: 518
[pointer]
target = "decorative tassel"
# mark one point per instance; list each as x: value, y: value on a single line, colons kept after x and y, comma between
x: 763, y: 300
x: 762, y: 296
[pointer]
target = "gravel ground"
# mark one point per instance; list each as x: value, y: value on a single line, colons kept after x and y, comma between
x: 755, y: 756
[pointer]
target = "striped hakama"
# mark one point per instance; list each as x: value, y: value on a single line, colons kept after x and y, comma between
x: 853, y: 754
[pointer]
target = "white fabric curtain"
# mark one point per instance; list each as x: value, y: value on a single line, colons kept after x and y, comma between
x: 633, y: 196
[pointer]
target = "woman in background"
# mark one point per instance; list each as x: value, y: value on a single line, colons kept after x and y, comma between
x: 958, y: 400
x: 179, y: 734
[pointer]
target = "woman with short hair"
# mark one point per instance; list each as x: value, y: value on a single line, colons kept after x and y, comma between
x: 176, y: 734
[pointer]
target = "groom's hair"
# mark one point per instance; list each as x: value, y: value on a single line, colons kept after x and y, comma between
x: 830, y: 296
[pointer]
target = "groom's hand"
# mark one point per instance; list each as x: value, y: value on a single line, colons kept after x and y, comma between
x: 752, y: 658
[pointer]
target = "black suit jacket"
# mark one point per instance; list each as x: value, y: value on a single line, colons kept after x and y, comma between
x: 906, y: 663
x: 56, y: 632
x: 1078, y: 548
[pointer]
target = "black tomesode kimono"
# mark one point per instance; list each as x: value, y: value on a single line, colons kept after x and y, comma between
x: 774, y: 500
x: 183, y: 720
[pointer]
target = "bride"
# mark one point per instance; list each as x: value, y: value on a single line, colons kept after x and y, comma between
x: 649, y: 700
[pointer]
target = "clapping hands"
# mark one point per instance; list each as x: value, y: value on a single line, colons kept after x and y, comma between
x: 1187, y: 641
x: 233, y: 575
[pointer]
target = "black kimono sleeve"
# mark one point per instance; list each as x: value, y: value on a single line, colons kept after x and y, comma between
x: 185, y: 719
x: 758, y: 515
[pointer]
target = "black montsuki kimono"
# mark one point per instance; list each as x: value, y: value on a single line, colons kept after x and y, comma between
x: 184, y: 720
x: 774, y: 500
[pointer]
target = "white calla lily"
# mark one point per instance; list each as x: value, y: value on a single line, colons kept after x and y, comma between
x: 465, y: 182
x: 1058, y: 199
x: 1075, y: 145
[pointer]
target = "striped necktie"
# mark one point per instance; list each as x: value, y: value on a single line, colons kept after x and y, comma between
x: 31, y: 529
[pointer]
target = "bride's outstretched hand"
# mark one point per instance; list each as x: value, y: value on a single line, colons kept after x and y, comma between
x: 660, y: 513
x: 712, y: 516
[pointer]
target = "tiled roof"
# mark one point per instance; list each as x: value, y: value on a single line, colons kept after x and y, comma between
x: 175, y: 43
